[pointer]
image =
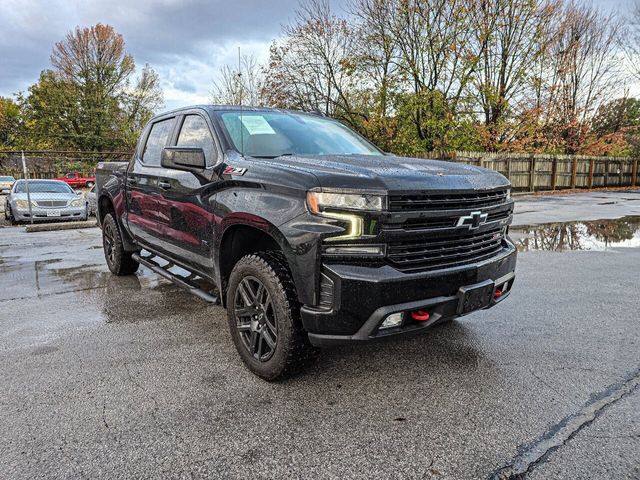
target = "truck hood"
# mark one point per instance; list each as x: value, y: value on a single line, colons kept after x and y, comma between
x: 391, y: 173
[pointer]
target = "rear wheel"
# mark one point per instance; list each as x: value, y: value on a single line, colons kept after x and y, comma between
x: 118, y: 259
x: 264, y: 317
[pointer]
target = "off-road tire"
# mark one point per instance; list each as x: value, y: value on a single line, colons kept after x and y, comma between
x: 118, y: 260
x: 292, y: 351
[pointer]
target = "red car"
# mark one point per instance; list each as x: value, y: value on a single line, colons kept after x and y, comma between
x: 75, y: 180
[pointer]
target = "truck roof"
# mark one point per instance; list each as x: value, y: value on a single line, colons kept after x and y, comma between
x: 222, y: 108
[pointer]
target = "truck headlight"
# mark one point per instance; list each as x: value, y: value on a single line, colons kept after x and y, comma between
x: 319, y: 202
x: 78, y: 202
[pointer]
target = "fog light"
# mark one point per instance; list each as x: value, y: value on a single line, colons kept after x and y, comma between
x: 393, y: 320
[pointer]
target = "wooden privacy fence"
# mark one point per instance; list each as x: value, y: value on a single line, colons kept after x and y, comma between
x: 530, y: 173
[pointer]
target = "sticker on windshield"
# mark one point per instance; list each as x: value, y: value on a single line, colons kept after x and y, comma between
x: 257, y: 125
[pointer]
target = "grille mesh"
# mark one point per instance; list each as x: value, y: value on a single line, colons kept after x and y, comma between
x: 446, y: 201
x: 51, y: 203
x: 442, y: 252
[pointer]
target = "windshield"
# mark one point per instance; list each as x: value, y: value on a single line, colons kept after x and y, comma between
x: 7, y: 179
x: 43, y: 187
x: 272, y: 134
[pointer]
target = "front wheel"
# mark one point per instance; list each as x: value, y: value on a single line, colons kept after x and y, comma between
x: 118, y: 259
x: 11, y: 218
x: 264, y: 317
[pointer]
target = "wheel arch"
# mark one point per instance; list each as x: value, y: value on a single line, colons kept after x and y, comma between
x: 244, y: 235
x: 104, y: 206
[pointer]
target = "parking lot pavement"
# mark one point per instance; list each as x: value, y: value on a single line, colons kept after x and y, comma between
x: 595, y: 205
x: 122, y: 377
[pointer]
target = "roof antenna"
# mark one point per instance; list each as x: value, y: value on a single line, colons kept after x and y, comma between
x: 240, y: 101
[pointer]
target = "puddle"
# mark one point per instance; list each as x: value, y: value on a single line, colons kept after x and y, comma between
x: 596, y: 235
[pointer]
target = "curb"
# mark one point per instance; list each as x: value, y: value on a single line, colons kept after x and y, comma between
x: 50, y: 227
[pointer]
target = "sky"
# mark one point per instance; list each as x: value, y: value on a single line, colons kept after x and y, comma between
x: 185, y: 41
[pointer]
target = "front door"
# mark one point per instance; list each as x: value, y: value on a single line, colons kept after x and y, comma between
x: 185, y: 204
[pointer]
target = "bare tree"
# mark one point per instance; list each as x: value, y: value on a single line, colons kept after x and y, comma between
x: 236, y: 87
x: 311, y: 68
x: 632, y: 44
x: 583, y: 71
x: 517, y: 32
x: 375, y: 51
x: 142, y: 101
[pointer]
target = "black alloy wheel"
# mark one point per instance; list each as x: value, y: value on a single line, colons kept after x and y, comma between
x: 255, y: 318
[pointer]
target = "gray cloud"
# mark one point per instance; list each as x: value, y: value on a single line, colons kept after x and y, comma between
x: 186, y: 41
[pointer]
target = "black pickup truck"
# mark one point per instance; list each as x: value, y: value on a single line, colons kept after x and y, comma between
x: 307, y: 233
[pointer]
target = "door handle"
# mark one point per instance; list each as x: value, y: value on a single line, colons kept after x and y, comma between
x: 164, y: 185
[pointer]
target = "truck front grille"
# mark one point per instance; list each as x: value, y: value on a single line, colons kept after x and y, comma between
x: 449, y: 221
x: 445, y: 252
x: 448, y: 201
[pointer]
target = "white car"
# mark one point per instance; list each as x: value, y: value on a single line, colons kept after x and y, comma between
x: 51, y: 200
x: 6, y: 182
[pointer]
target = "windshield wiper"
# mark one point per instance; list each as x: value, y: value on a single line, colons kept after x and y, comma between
x: 271, y: 157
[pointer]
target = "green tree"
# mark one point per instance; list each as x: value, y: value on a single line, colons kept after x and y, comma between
x: 9, y: 122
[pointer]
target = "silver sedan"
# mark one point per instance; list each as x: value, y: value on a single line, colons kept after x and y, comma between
x: 51, y: 200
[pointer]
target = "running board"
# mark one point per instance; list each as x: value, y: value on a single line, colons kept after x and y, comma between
x: 183, y: 282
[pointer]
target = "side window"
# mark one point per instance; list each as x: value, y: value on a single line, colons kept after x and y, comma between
x: 158, y: 138
x: 195, y: 133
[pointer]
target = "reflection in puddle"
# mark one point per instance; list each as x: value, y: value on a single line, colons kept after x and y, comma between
x: 597, y: 235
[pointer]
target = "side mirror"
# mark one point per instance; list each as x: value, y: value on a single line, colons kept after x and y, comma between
x: 190, y: 159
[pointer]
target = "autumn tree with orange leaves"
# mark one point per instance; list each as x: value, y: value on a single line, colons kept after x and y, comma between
x: 91, y: 98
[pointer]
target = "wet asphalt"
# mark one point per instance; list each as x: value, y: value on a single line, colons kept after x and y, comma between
x: 107, y: 377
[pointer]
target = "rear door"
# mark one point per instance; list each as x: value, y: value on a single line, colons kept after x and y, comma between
x: 185, y: 204
x: 142, y: 180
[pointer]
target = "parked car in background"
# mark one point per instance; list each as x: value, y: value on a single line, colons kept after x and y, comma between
x: 50, y: 200
x: 75, y: 180
x: 6, y: 182
x: 92, y: 202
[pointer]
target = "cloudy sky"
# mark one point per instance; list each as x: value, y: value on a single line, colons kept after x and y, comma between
x: 185, y: 41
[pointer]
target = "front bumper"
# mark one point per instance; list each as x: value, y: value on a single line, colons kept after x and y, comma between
x: 42, y: 214
x: 364, y: 296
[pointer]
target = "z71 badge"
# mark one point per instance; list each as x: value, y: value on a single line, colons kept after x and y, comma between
x: 234, y: 171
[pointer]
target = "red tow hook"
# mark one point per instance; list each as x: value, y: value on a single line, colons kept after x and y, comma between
x: 420, y: 315
x: 497, y: 294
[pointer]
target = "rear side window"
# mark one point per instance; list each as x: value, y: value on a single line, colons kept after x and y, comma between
x: 157, y: 140
x: 195, y: 133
